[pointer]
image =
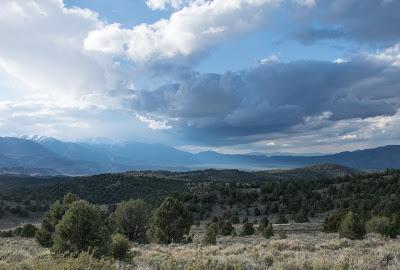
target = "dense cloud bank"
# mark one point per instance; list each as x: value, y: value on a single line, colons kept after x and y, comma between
x: 275, y: 97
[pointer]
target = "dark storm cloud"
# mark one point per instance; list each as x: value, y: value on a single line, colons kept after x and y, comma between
x: 375, y: 21
x: 275, y: 97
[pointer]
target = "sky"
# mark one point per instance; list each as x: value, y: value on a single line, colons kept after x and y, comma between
x: 234, y: 76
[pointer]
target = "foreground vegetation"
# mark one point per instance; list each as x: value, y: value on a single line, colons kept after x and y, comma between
x: 319, y: 251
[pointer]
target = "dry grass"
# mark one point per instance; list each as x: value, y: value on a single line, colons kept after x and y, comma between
x: 298, y: 251
x: 319, y: 251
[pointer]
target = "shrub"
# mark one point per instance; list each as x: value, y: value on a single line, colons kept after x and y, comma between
x: 268, y: 232
x: 9, y: 233
x: 301, y: 216
x: 119, y: 246
x: 381, y: 225
x: 281, y: 219
x: 28, y: 230
x: 351, y: 227
x: 235, y: 219
x: 51, y: 218
x: 170, y: 222
x: 282, y: 234
x: 131, y: 218
x: 263, y: 224
x: 69, y: 198
x: 82, y: 261
x: 395, y: 220
x: 210, y: 236
x: 247, y: 229
x: 332, y: 223
x: 81, y: 229
x: 225, y: 227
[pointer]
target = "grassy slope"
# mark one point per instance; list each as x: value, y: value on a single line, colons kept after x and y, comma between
x: 318, y: 251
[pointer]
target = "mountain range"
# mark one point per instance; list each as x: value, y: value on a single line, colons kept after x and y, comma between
x: 49, y: 156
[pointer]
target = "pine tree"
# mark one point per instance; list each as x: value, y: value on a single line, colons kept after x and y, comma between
x: 281, y: 219
x: 210, y: 236
x: 247, y: 229
x: 170, y: 222
x: 351, y: 227
x: 268, y: 232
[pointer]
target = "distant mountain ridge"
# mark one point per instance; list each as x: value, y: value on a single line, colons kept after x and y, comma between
x: 52, y: 155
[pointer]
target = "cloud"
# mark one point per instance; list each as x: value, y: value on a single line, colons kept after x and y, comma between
x: 72, y: 122
x: 187, y: 33
x: 163, y: 4
x: 390, y: 55
x: 287, y: 98
x: 372, y: 21
x: 41, y: 45
x: 156, y: 124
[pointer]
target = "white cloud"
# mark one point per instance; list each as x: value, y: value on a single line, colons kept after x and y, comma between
x: 390, y: 55
x: 190, y: 30
x: 340, y: 61
x: 348, y: 137
x: 42, y: 48
x: 306, y: 3
x: 155, y: 124
x: 163, y: 4
x: 272, y: 58
x: 71, y: 122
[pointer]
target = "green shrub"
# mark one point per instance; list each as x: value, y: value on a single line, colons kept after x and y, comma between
x: 131, y: 218
x: 282, y: 234
x: 170, y: 222
x: 268, y: 232
x: 210, y: 236
x: 381, y: 225
x: 119, y: 246
x: 247, y: 229
x: 6, y: 234
x: 301, y: 216
x: 352, y: 227
x: 28, y: 230
x: 332, y: 223
x: 225, y: 227
x: 263, y: 223
x: 81, y: 229
x: 281, y: 219
x: 395, y: 220
x: 51, y: 218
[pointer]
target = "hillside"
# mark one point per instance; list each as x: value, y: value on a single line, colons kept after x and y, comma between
x: 317, y: 171
x: 21, y: 156
x: 325, y: 170
x: 376, y: 158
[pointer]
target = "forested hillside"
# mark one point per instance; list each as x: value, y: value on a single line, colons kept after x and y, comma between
x: 209, y: 193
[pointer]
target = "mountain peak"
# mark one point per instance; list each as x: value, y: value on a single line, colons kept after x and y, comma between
x: 38, y: 138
